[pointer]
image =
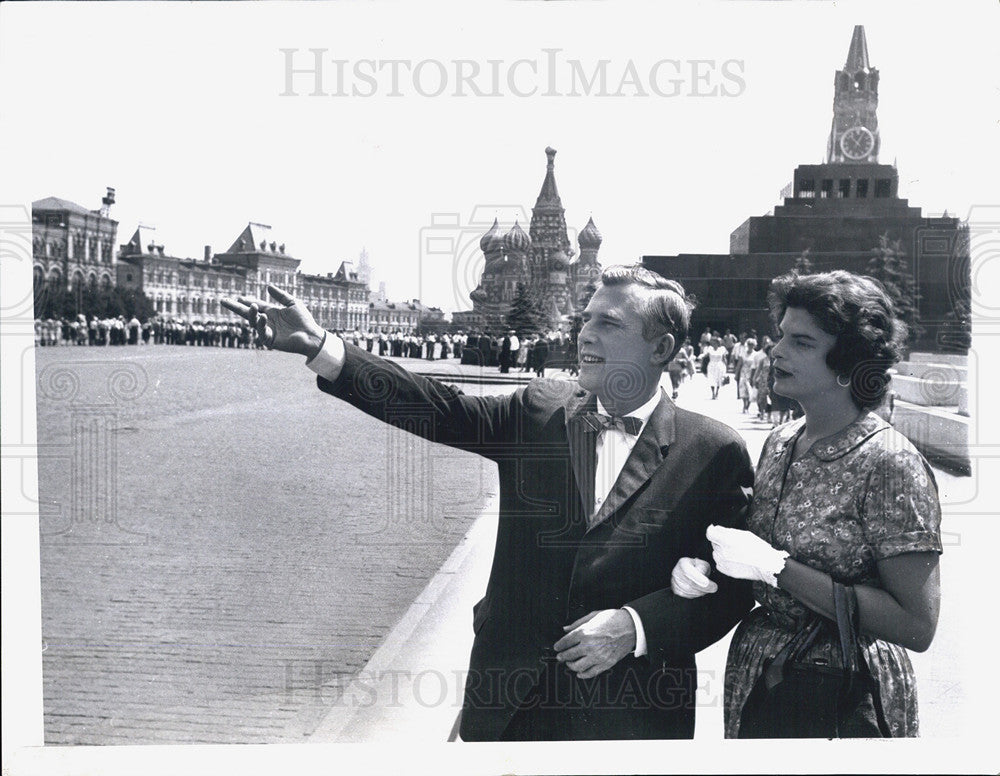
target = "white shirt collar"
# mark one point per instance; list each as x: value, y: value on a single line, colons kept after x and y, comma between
x: 642, y: 413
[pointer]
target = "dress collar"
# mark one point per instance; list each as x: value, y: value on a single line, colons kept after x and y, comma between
x: 836, y: 445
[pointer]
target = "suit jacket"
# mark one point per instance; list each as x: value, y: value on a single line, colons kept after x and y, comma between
x: 685, y: 472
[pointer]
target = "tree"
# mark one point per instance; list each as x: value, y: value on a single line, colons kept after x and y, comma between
x: 526, y: 316
x: 802, y: 263
x: 888, y: 265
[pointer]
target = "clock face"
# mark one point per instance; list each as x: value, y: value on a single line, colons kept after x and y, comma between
x: 857, y: 142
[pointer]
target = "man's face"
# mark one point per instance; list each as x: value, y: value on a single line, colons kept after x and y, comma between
x: 616, y: 361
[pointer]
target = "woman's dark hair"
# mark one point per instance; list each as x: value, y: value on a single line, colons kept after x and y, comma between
x: 859, y: 313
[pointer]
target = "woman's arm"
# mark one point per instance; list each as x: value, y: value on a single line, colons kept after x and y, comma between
x: 905, y: 612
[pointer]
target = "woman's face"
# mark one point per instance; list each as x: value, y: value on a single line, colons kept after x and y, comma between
x: 800, y: 370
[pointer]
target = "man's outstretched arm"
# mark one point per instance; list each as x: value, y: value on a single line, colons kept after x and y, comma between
x: 373, y: 385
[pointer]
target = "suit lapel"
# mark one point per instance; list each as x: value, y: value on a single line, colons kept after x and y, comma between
x: 583, y: 449
x: 647, y: 455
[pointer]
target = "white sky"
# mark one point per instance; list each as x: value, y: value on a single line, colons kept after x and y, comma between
x: 177, y: 106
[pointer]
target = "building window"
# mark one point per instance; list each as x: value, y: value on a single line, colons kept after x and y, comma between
x: 807, y: 189
x: 826, y: 189
x: 861, y: 190
x: 844, y: 190
x: 128, y: 276
x: 883, y: 187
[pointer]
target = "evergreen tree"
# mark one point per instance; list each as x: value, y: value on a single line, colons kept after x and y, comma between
x: 888, y: 265
x: 525, y: 316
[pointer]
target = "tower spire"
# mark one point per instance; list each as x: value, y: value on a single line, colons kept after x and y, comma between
x: 857, y: 55
x: 548, y: 197
x: 854, y: 136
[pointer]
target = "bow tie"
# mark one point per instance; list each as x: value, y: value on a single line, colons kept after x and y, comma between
x: 595, y: 421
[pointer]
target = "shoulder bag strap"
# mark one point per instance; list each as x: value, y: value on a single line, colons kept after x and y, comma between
x: 846, y: 604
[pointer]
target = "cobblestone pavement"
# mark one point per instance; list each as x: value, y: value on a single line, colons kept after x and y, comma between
x: 221, y: 542
x: 223, y: 546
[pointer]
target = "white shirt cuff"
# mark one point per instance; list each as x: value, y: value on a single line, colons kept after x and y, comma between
x: 640, y: 633
x: 330, y: 359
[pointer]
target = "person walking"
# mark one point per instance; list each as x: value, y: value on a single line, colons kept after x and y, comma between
x: 715, y: 355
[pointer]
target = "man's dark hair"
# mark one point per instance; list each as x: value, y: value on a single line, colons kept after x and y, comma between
x: 859, y: 313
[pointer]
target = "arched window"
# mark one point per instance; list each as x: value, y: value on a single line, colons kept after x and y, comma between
x: 105, y: 282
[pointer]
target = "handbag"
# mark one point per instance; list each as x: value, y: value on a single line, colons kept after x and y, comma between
x: 795, y: 697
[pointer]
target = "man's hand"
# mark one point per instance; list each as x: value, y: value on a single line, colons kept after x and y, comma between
x: 596, y: 642
x: 286, y: 325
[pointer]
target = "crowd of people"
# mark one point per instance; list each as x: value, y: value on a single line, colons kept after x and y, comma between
x: 504, y: 350
x: 94, y: 330
x: 746, y: 361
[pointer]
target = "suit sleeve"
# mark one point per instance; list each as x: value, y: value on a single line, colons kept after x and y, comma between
x: 676, y: 628
x: 421, y: 405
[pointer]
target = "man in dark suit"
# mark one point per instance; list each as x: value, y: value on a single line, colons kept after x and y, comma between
x: 604, y: 485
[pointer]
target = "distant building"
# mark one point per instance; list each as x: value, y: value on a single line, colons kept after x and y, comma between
x: 338, y: 300
x: 833, y: 214
x: 180, y: 288
x: 541, y: 258
x: 468, y: 320
x: 73, y: 247
x: 388, y: 317
x: 191, y: 289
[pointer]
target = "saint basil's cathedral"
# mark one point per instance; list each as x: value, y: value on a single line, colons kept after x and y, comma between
x: 541, y: 258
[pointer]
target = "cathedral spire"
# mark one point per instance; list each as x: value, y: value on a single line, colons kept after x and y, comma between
x: 548, y: 219
x: 548, y: 197
x: 857, y: 56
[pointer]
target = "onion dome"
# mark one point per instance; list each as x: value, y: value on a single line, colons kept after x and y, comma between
x: 590, y: 237
x: 558, y: 261
x: 516, y: 239
x: 493, y: 239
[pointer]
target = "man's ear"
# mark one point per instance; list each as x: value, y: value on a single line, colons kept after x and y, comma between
x: 664, y: 348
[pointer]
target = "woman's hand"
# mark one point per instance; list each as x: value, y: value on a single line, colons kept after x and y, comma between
x: 689, y: 579
x: 744, y: 555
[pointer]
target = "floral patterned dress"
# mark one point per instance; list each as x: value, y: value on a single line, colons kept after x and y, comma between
x: 857, y: 497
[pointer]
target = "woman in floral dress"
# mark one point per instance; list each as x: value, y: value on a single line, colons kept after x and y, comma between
x: 839, y: 496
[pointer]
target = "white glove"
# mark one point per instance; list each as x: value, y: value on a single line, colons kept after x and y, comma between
x: 689, y: 579
x: 744, y: 555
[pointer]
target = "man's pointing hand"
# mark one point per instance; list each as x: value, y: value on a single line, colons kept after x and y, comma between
x: 283, y: 324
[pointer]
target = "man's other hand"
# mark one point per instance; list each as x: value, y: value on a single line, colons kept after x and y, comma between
x: 596, y: 642
x: 283, y: 324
